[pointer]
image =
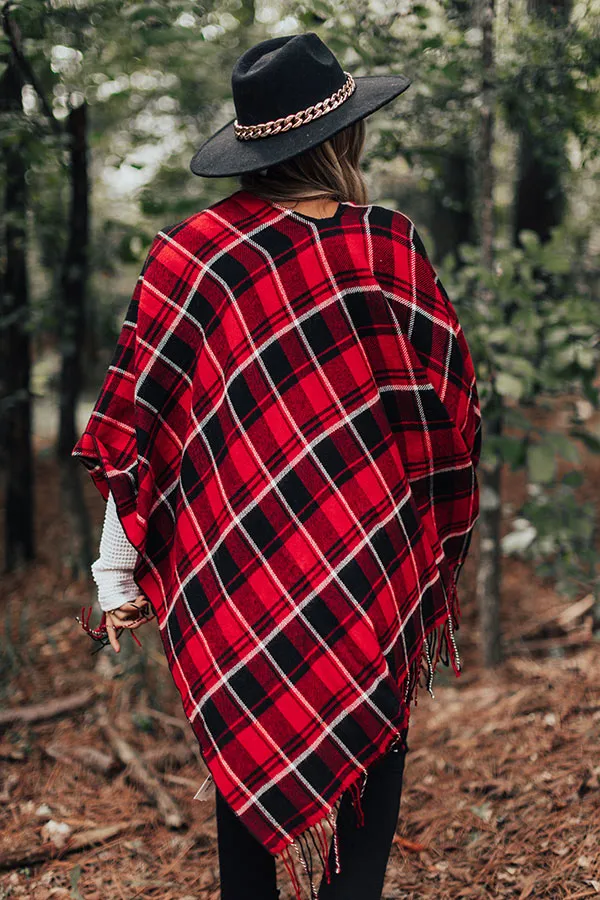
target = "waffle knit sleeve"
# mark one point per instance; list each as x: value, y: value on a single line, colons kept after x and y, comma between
x: 113, y: 570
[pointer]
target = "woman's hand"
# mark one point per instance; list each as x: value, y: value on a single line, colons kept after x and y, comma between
x: 130, y: 616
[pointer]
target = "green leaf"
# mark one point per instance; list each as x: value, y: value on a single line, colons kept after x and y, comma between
x: 529, y: 239
x: 510, y: 450
x: 587, y: 357
x: 564, y: 446
x: 541, y: 463
x: 514, y: 418
x: 508, y: 385
x: 573, y: 479
x: 591, y: 441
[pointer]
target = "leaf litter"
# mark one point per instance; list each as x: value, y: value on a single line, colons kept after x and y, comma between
x: 501, y: 795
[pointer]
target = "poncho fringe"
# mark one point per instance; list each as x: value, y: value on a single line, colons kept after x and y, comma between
x: 315, y: 839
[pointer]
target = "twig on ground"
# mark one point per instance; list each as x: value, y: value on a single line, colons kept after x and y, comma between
x: 144, y: 776
x: 16, y: 859
x: 48, y: 709
x: 175, y: 755
x: 412, y: 846
x: 89, y: 757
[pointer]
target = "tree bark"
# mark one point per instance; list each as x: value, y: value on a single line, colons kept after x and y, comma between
x: 453, y: 218
x: 489, y: 570
x: 73, y: 318
x: 246, y: 13
x: 74, y: 279
x: 542, y: 156
x: 15, y: 343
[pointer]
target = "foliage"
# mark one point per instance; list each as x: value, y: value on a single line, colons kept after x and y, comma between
x: 548, y: 78
x: 155, y: 77
x: 533, y: 325
x: 558, y: 531
x: 435, y: 44
x: 533, y: 321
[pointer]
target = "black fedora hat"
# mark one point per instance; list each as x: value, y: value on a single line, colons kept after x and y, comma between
x: 290, y: 94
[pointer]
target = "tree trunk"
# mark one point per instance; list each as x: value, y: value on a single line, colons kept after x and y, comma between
x: 246, y: 13
x: 15, y: 349
x: 452, y: 215
x: 489, y: 570
x: 74, y: 278
x: 452, y: 221
x: 542, y: 156
x: 74, y: 281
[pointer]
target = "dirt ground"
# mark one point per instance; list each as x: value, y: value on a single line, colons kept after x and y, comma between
x: 501, y: 795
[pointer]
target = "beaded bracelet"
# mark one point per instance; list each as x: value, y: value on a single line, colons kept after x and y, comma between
x: 100, y: 634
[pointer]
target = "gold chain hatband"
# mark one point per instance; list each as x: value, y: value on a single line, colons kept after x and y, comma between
x: 295, y: 120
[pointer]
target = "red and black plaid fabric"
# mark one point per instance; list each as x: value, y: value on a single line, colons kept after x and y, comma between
x: 290, y: 428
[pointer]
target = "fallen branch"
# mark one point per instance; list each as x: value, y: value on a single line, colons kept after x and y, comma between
x: 556, y: 622
x: 176, y: 722
x: 175, y: 755
x: 182, y: 724
x: 181, y: 780
x: 89, y: 757
x: 15, y: 859
x: 578, y: 639
x: 139, y: 772
x: 47, y: 710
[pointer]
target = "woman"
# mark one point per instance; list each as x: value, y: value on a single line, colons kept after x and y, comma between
x: 287, y: 439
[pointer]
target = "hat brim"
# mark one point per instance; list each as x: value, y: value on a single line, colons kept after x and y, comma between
x: 223, y: 154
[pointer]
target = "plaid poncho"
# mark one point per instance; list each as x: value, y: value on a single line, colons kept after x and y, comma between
x: 290, y: 429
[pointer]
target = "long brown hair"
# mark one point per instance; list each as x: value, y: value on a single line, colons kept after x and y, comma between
x: 329, y: 170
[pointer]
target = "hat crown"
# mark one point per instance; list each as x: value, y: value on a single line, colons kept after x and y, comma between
x: 283, y: 75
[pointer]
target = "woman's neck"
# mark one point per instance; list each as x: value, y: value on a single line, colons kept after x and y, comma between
x: 317, y: 209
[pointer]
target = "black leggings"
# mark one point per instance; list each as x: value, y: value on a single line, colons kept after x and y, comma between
x: 248, y: 869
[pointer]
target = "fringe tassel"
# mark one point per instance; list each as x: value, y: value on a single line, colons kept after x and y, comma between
x: 356, y: 795
x: 451, y: 624
x: 312, y: 846
x: 306, y: 861
x: 324, y: 851
x: 289, y: 867
x: 334, y: 837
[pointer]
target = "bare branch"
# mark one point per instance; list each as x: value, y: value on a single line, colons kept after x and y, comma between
x: 11, y: 30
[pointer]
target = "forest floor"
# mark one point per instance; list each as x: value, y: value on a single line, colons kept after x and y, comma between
x: 501, y: 794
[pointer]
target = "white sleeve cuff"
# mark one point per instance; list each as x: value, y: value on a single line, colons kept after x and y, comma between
x: 113, y: 570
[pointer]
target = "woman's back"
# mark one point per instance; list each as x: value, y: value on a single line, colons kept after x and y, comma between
x: 300, y: 479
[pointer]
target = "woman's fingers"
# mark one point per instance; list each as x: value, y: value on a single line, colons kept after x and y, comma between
x: 130, y: 615
x: 112, y: 634
x: 131, y: 626
x: 133, y: 612
x: 128, y: 612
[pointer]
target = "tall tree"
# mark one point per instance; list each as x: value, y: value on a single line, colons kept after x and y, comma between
x: 72, y: 332
x: 73, y: 284
x: 542, y: 156
x: 489, y: 570
x: 453, y: 214
x: 15, y: 340
x: 74, y: 278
